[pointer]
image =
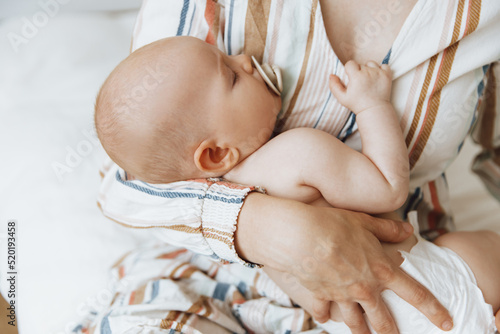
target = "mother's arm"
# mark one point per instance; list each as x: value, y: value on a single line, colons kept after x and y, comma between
x: 336, y: 255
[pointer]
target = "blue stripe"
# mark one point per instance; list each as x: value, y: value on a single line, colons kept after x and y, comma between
x: 480, y: 92
x: 412, y: 203
x: 191, y: 22
x: 343, y: 126
x: 387, y: 57
x: 77, y: 329
x: 155, y: 289
x: 148, y: 185
x: 229, y: 27
x: 352, y: 117
x: 166, y: 193
x: 184, y: 11
x: 242, y: 288
x: 225, y: 200
x: 174, y: 194
x: 461, y: 145
x: 443, y: 176
x: 105, y: 328
x: 221, y: 291
x: 184, y: 188
x: 323, y: 110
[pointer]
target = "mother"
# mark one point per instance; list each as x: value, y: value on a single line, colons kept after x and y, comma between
x: 439, y: 52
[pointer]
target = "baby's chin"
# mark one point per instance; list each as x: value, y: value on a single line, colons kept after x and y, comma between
x: 277, y: 104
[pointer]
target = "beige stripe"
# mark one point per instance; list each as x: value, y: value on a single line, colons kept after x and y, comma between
x: 139, y: 295
x: 433, y: 106
x: 308, y: 104
x: 203, y: 301
x: 184, y: 319
x: 430, y: 70
x: 421, y: 100
x: 319, y: 85
x: 276, y: 31
x: 443, y: 77
x: 172, y: 315
x: 179, y: 228
x: 458, y: 21
x: 474, y: 16
x: 174, y: 271
x: 443, y: 42
x: 411, y: 96
x: 256, y: 28
x: 302, y: 74
x: 120, y: 260
x: 219, y: 238
x: 215, y: 28
x: 227, y: 234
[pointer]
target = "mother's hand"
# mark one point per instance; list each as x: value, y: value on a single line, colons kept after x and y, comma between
x: 337, y: 255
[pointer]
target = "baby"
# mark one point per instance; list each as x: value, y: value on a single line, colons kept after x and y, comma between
x: 181, y: 109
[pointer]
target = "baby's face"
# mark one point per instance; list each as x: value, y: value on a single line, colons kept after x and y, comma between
x: 234, y: 97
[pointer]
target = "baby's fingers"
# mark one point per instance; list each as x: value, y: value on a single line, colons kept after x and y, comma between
x: 351, y: 67
x: 337, y: 88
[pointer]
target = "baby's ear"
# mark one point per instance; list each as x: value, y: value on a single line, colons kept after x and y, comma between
x: 211, y: 158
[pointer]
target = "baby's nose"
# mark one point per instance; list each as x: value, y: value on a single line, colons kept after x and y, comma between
x: 245, y: 63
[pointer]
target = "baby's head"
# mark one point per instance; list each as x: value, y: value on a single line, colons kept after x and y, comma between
x: 180, y: 108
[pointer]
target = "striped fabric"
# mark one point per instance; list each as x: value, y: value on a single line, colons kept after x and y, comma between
x: 487, y: 133
x: 439, y: 60
x: 162, y: 289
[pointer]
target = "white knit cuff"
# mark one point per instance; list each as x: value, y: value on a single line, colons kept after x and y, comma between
x: 221, y: 207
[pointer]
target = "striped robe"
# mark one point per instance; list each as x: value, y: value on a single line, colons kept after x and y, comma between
x: 444, y: 62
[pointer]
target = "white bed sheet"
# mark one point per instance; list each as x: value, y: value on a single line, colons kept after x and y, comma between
x: 65, y: 245
x: 47, y: 91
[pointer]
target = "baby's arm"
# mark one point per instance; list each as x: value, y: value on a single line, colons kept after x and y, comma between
x: 304, y: 164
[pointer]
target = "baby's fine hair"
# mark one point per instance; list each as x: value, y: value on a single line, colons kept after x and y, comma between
x: 159, y: 153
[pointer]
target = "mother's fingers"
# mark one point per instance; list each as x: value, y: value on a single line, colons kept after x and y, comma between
x: 321, y: 310
x: 353, y: 318
x: 421, y: 298
x: 379, y: 316
x: 387, y: 230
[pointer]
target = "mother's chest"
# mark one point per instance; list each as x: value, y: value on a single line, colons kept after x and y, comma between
x: 365, y: 29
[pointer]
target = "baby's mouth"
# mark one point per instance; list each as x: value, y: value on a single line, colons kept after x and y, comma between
x: 271, y: 75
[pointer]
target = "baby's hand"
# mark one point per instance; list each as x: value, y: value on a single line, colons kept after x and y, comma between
x: 369, y: 86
